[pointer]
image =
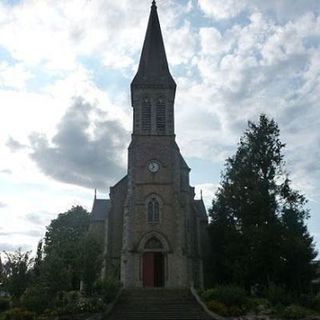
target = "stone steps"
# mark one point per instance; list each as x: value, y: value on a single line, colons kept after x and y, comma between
x: 157, y: 304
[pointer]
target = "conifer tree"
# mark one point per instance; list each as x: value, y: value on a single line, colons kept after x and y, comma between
x: 38, y: 259
x: 258, y: 232
x: 2, y: 273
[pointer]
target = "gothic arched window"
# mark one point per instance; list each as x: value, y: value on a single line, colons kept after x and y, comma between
x: 161, y: 116
x: 153, y: 211
x: 146, y: 115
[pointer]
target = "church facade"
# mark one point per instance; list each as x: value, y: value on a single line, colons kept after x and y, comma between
x: 152, y: 228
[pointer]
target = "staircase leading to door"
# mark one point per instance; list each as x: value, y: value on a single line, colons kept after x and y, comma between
x: 157, y: 304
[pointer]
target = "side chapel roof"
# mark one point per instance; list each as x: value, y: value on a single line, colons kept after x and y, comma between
x: 100, y: 210
x: 201, y: 209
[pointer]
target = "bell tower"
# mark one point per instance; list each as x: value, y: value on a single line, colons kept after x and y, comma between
x: 153, y: 88
x: 154, y: 204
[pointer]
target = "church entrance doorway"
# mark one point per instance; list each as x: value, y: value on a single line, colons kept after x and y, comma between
x: 153, y: 269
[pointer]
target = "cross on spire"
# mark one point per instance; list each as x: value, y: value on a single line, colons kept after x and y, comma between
x: 154, y: 3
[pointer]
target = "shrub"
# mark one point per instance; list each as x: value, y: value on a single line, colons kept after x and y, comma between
x: 228, y: 295
x: 222, y: 310
x: 107, y: 289
x: 4, y: 304
x: 259, y: 305
x: 316, y: 302
x: 65, y: 298
x: 207, y: 295
x: 73, y: 302
x: 35, y: 299
x: 235, y: 311
x: 218, y: 307
x: 278, y: 295
x: 295, y: 312
x: 306, y: 300
x: 18, y: 314
x: 90, y: 305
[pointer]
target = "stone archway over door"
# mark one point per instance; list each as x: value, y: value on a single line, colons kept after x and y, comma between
x: 153, y: 269
x: 153, y: 263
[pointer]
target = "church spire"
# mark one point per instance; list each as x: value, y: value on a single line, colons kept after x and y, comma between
x: 153, y: 67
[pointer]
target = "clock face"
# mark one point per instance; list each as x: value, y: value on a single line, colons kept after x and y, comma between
x: 153, y: 166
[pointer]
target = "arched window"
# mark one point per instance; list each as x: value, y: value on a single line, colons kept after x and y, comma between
x: 153, y: 211
x: 146, y: 115
x: 161, y: 116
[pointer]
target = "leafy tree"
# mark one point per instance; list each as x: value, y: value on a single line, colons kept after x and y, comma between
x: 61, y: 266
x: 17, y: 276
x: 257, y: 224
x: 91, y: 261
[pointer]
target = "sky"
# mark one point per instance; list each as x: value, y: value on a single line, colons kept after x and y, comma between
x: 65, y: 113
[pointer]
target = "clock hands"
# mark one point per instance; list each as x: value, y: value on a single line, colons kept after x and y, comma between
x: 153, y: 166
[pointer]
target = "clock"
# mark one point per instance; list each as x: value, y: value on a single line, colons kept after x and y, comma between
x: 153, y: 166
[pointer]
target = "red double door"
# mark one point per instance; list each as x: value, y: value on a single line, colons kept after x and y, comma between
x: 153, y: 269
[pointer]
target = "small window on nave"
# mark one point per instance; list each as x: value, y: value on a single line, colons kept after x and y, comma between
x: 146, y: 115
x: 161, y: 116
x: 153, y: 211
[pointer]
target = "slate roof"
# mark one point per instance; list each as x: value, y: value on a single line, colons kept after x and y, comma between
x: 153, y: 67
x: 183, y: 163
x: 100, y: 210
x: 201, y: 209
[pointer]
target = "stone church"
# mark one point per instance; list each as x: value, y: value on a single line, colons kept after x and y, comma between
x: 152, y: 227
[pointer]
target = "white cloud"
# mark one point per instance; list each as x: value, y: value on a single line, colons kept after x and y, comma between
x: 212, y: 42
x: 14, y: 76
x: 56, y: 33
x: 2, y: 205
x: 181, y: 44
x: 283, y: 10
x: 117, y: 60
x: 222, y: 9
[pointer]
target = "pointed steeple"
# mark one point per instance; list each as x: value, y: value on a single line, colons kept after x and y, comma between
x: 153, y: 68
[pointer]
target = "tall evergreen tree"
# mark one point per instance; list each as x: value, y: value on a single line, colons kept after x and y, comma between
x: 258, y: 232
x: 2, y: 273
x: 38, y: 259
